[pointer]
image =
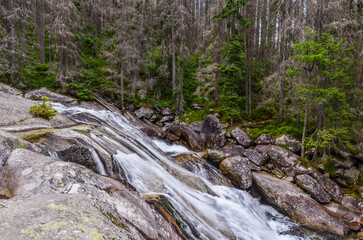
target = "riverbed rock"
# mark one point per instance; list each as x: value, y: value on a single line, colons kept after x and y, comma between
x: 298, y: 205
x: 144, y: 113
x: 215, y: 156
x: 282, y: 157
x: 311, y: 186
x: 286, y: 140
x: 263, y: 150
x: 254, y: 157
x: 234, y: 150
x: 41, y: 177
x: 351, y: 218
x: 192, y: 138
x: 212, y: 133
x: 9, y: 142
x: 264, y: 139
x: 54, y: 97
x: 241, y: 137
x: 197, y: 127
x: 238, y: 170
x: 352, y: 203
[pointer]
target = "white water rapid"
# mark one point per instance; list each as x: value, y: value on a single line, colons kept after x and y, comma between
x: 202, y: 210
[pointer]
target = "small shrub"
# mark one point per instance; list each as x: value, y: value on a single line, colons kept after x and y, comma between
x: 43, y: 110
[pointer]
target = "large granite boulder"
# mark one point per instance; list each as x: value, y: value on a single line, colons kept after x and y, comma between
x: 254, y: 157
x: 292, y: 144
x: 215, y: 156
x: 282, y: 157
x: 234, y: 150
x: 263, y: 150
x: 298, y: 205
x: 54, y: 97
x: 311, y: 186
x: 197, y: 127
x: 238, y: 170
x: 144, y: 113
x: 329, y: 186
x: 212, y: 133
x: 52, y: 185
x: 241, y: 137
x: 264, y: 139
x: 192, y: 138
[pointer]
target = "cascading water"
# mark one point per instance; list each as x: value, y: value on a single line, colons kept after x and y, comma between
x: 202, y: 210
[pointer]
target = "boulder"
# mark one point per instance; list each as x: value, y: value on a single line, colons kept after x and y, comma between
x: 87, y: 157
x: 238, y: 170
x: 264, y: 139
x: 166, y: 112
x: 212, y: 133
x: 167, y: 118
x: 144, y: 113
x: 351, y: 175
x: 290, y: 142
x: 346, y: 163
x: 329, y: 186
x: 192, y: 138
x: 263, y: 150
x: 197, y: 127
x: 298, y: 205
x: 282, y: 157
x: 311, y: 186
x: 215, y: 156
x: 352, y: 219
x: 142, y: 93
x: 67, y: 199
x: 352, y: 203
x: 234, y: 150
x: 54, y: 97
x: 241, y: 137
x: 9, y: 142
x: 254, y: 157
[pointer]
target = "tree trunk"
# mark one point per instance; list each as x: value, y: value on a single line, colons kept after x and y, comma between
x: 122, y: 89
x: 304, y: 130
x: 173, y: 60
x: 41, y: 33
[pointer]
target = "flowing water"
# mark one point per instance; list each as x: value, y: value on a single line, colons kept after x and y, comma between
x: 203, y: 210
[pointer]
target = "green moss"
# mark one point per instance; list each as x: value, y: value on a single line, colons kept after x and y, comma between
x: 115, y: 221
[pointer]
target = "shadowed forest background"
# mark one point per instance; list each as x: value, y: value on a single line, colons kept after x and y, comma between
x: 287, y: 66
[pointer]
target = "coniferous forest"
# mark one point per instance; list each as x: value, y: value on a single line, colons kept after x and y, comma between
x: 290, y: 66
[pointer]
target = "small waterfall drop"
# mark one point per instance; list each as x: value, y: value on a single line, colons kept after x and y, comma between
x: 202, y: 210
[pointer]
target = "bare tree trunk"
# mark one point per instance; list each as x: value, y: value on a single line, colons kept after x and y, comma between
x: 122, y: 88
x: 173, y: 60
x: 50, y: 50
x: 304, y: 130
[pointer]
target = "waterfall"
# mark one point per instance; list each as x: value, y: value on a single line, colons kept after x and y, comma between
x: 203, y: 210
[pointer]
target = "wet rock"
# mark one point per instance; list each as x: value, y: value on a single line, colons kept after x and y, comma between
x: 69, y: 197
x: 198, y: 165
x: 234, y: 150
x: 215, y: 156
x: 329, y: 186
x: 282, y: 157
x: 238, y: 170
x: 352, y: 203
x: 298, y: 205
x: 197, y: 127
x: 311, y: 186
x: 83, y: 156
x: 241, y: 137
x: 151, y: 130
x: 192, y: 138
x: 352, y: 219
x: 212, y: 133
x: 264, y: 139
x: 290, y: 142
x: 172, y: 137
x: 144, y: 113
x: 54, y: 97
x: 254, y: 157
x: 166, y: 112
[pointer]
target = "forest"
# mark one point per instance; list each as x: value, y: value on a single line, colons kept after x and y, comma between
x: 292, y: 66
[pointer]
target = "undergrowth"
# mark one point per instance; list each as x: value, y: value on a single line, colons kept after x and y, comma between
x: 43, y: 110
